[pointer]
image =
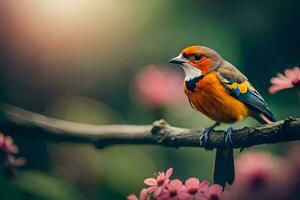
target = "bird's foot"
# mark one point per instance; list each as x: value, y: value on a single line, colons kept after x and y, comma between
x: 228, y: 137
x: 205, y: 136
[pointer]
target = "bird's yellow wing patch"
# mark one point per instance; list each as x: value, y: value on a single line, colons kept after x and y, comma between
x: 241, y: 87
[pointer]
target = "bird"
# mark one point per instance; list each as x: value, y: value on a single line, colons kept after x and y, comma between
x: 216, y: 88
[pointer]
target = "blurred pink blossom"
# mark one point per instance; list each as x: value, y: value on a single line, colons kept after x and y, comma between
x: 293, y: 169
x: 7, y: 144
x: 294, y: 163
x: 144, y: 195
x: 259, y: 175
x: 293, y: 156
x: 254, y: 169
x: 158, y: 87
x: 173, y: 192
x: 290, y: 79
x: 157, y: 185
x: 194, y: 187
x: 211, y: 193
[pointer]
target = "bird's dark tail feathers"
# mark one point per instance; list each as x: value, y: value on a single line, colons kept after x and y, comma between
x: 224, y: 167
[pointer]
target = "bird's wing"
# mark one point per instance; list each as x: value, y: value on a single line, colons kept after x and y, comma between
x: 239, y: 87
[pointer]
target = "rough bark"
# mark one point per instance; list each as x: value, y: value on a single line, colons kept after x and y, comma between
x: 18, y: 121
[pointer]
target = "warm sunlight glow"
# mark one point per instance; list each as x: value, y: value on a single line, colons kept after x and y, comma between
x: 63, y: 8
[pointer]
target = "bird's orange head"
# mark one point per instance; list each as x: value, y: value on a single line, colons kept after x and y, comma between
x: 197, y: 61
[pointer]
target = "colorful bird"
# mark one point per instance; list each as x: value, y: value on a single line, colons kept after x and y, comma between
x: 221, y: 92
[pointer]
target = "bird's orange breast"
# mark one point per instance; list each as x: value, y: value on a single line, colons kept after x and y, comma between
x: 212, y: 99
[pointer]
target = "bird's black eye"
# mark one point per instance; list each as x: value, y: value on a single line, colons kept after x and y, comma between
x: 198, y: 56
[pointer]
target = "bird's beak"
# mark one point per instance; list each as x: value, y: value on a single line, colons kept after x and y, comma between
x: 177, y: 60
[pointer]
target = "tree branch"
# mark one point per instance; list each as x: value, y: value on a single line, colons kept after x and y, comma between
x: 18, y: 121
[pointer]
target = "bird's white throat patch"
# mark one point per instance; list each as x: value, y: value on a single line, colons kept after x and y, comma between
x: 191, y: 72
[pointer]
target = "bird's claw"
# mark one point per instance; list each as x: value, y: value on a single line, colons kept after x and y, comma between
x: 228, y: 137
x: 205, y: 136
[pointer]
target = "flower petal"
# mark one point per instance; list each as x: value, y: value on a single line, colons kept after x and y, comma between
x: 290, y: 74
x: 183, y: 189
x: 8, y: 140
x: 151, y: 189
x: 169, y: 172
x: 192, y: 182
x: 144, y: 195
x: 150, y: 181
x: 175, y: 185
x: 279, y: 81
x: 275, y: 88
x: 216, y: 189
x: 163, y: 196
x: 132, y: 197
x: 158, y: 192
x: 203, y: 185
x: 297, y: 72
x: 184, y: 196
x: 12, y: 149
x: 283, y: 77
x: 200, y: 196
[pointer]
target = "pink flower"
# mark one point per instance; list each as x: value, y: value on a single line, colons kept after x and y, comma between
x: 173, y: 192
x: 194, y: 187
x: 162, y: 188
x: 7, y: 144
x: 160, y: 183
x: 292, y: 173
x: 213, y: 192
x: 290, y: 79
x: 144, y: 195
x: 254, y: 169
x: 158, y: 87
x: 259, y: 175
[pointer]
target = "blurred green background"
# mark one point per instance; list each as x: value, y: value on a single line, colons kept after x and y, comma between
x: 77, y: 60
